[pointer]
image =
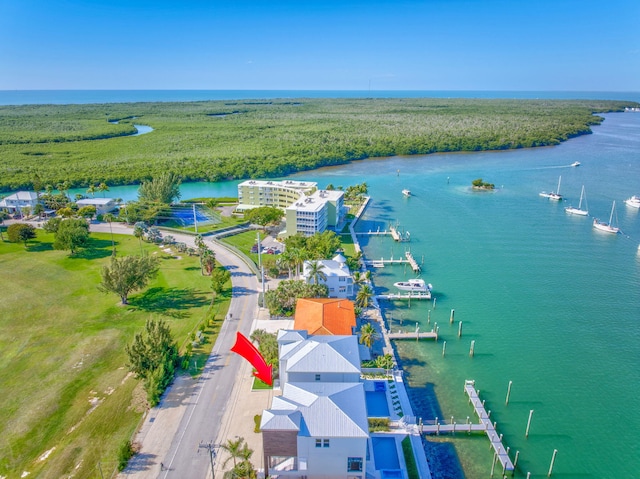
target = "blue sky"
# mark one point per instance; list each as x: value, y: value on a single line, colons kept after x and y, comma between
x: 320, y: 45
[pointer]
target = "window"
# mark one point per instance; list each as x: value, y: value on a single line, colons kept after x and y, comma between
x: 317, y: 377
x: 325, y: 443
x: 318, y: 442
x: 354, y: 464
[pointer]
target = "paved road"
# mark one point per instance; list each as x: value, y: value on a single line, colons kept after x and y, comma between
x: 190, y: 414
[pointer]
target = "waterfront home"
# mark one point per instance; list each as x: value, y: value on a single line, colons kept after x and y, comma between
x: 17, y: 202
x: 338, y: 277
x: 318, y: 426
x: 325, y: 316
x: 103, y: 205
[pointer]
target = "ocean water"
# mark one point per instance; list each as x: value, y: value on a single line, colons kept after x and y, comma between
x: 552, y: 304
x: 28, y: 97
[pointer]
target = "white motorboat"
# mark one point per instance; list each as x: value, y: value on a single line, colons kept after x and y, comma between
x: 575, y: 163
x: 406, y: 192
x: 579, y: 211
x: 607, y: 227
x: 554, y: 195
x: 634, y: 201
x: 414, y: 285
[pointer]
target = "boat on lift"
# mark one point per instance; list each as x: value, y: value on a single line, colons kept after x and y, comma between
x: 416, y: 285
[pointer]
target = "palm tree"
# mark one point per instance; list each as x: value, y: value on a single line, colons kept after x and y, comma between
x: 138, y: 231
x: 235, y: 449
x: 91, y: 190
x: 103, y: 187
x: 368, y: 335
x: 364, y: 296
x: 315, y: 272
x: 109, y: 217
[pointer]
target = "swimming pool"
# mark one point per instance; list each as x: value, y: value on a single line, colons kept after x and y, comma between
x: 377, y: 405
x: 385, y: 453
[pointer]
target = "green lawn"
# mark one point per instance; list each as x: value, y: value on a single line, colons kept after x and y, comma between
x: 244, y: 241
x: 64, y: 386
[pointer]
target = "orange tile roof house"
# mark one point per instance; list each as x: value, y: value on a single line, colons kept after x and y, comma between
x: 325, y: 316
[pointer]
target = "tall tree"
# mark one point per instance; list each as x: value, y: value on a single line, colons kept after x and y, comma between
x: 264, y: 215
x: 138, y: 231
x: 368, y: 335
x: 110, y: 218
x: 219, y: 278
x: 163, y: 189
x: 153, y: 357
x: 21, y: 232
x: 104, y: 188
x: 128, y: 274
x: 72, y: 234
x: 364, y: 295
x: 315, y: 272
x: 91, y: 190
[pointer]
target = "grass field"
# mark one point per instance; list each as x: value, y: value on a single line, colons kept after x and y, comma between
x: 66, y: 397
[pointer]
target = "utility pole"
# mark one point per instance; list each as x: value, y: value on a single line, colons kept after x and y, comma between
x: 213, y: 452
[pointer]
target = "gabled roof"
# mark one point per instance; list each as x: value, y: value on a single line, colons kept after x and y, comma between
x: 95, y: 201
x: 23, y: 196
x: 322, y: 354
x: 325, y: 316
x: 327, y: 409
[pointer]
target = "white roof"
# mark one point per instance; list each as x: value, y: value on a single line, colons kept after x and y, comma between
x: 23, y: 196
x: 281, y: 420
x: 95, y: 201
x: 322, y: 354
x: 327, y: 409
x: 331, y: 268
x: 339, y: 258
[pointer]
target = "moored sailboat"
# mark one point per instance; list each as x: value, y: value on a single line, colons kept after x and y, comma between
x: 607, y: 227
x: 579, y: 211
x: 554, y: 195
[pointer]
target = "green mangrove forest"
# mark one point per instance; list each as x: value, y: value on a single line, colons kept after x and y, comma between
x: 219, y: 140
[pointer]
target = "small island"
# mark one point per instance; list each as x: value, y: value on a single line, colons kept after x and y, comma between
x: 478, y: 184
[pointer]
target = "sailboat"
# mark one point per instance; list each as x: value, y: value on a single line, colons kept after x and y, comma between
x: 579, y: 211
x: 554, y: 195
x: 607, y: 227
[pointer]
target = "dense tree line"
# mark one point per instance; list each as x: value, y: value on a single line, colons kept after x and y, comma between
x: 201, y: 141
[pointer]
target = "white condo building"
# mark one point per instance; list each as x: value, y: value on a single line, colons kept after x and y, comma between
x: 307, y: 209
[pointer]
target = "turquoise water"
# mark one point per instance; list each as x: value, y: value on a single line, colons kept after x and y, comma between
x: 552, y: 304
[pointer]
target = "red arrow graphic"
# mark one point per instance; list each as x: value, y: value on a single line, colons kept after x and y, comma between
x: 247, y: 350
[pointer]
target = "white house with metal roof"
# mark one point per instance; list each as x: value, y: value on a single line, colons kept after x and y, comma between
x: 102, y: 205
x: 339, y: 280
x: 318, y: 427
x: 19, y: 201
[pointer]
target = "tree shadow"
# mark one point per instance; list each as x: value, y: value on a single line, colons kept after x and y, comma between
x: 91, y: 253
x: 168, y: 301
x: 38, y: 246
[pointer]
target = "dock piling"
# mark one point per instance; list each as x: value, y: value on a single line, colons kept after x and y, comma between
x: 444, y: 348
x: 526, y: 434
x: 473, y: 346
x: 453, y: 311
x: 508, y: 393
x: 553, y: 460
x: 460, y: 329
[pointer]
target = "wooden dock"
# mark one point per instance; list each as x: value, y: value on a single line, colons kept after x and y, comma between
x: 413, y: 335
x: 414, y: 264
x: 484, y: 426
x: 404, y: 296
x: 398, y: 235
x: 408, y: 259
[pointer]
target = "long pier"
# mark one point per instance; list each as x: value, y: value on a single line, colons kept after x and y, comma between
x: 484, y: 426
x: 393, y: 231
x: 408, y: 259
x: 406, y: 296
x: 413, y: 335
